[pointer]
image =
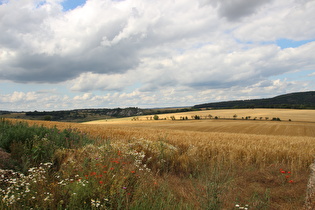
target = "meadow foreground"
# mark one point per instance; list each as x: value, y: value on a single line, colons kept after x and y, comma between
x: 190, y: 164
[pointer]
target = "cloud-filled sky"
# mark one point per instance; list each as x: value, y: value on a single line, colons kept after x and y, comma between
x: 69, y: 54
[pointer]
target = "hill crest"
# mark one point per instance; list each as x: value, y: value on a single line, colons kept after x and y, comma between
x: 298, y: 100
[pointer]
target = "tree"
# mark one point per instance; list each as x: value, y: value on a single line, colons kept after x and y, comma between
x: 47, y: 117
x: 234, y: 116
x: 156, y: 117
x: 197, y: 117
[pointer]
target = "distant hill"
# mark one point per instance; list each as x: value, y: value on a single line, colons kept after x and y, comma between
x: 299, y: 100
x: 83, y: 115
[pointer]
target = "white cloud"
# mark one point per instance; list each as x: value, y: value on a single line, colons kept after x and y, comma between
x: 148, y: 53
x: 289, y: 19
x: 17, y: 97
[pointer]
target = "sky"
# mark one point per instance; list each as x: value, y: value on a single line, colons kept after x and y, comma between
x: 73, y: 54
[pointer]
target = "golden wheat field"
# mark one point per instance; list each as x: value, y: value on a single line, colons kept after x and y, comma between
x: 255, y: 150
x: 302, y: 122
x: 241, y: 141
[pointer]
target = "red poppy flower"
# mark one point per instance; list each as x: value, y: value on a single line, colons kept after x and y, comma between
x: 291, y: 181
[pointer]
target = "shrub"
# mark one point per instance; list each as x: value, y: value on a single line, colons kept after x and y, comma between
x: 31, y: 145
x: 276, y: 119
x: 197, y: 117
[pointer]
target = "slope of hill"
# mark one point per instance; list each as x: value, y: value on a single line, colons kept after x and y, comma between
x: 299, y: 100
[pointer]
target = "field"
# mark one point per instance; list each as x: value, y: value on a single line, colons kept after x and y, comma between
x: 301, y: 122
x: 225, y: 158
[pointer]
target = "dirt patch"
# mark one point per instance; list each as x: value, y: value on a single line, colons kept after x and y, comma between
x: 5, y: 159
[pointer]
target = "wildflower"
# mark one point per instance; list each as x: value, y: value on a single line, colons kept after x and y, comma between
x: 101, y: 182
x: 133, y: 172
x: 96, y: 203
x: 124, y: 188
x: 291, y: 181
x: 283, y: 172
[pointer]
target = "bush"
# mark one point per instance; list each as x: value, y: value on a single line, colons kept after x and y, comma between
x: 276, y: 119
x: 156, y: 117
x: 197, y: 117
x: 31, y: 145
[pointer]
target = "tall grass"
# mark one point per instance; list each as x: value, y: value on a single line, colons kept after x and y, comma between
x: 31, y: 145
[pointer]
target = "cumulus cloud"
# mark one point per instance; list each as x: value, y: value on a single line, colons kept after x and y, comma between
x: 234, y: 10
x: 101, y: 37
x: 292, y: 21
x: 138, y: 52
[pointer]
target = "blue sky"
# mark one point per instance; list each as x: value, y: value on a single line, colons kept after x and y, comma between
x: 287, y: 43
x: 57, y: 55
x: 72, y: 4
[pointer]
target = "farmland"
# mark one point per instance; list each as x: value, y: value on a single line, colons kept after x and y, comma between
x: 210, y: 163
x: 301, y: 122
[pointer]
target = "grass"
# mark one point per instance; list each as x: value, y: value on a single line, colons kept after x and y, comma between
x: 165, y: 165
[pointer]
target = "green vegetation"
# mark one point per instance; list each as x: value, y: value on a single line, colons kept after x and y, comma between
x: 301, y: 100
x: 83, y: 115
x: 62, y: 170
x: 31, y: 145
